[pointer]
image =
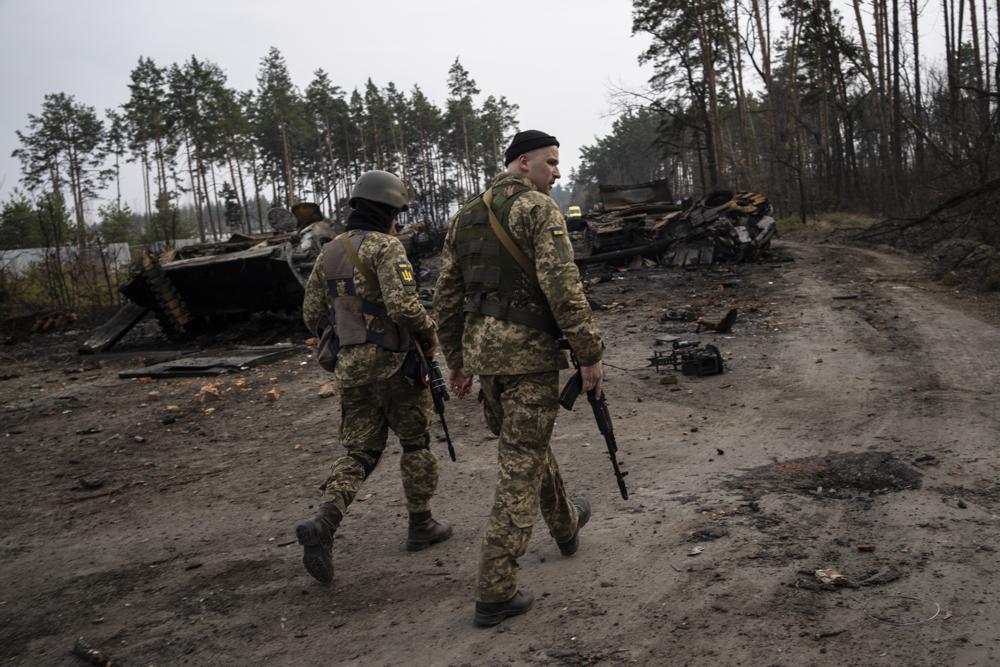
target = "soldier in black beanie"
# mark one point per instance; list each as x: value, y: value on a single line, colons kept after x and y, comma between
x: 525, y: 158
x: 507, y: 291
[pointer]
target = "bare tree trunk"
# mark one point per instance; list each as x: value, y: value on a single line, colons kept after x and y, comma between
x: 195, y: 190
x: 797, y: 129
x: 875, y: 88
x: 215, y: 196
x: 897, y: 112
x: 145, y: 184
x: 232, y: 176
x: 200, y: 166
x: 707, y: 51
x: 918, y: 108
x: 997, y: 39
x: 243, y: 191
x: 161, y: 167
x: 290, y: 197
x: 118, y: 177
x: 986, y: 47
x: 977, y: 55
x: 764, y: 38
x: 256, y: 192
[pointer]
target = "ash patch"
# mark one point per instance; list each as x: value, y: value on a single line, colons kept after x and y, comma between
x: 831, y: 476
x: 987, y: 495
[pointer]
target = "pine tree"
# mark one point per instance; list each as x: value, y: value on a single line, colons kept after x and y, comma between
x: 463, y: 124
x: 280, y: 121
x: 148, y: 122
x: 65, y: 146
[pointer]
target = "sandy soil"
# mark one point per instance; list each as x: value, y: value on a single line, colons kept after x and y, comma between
x: 859, y: 407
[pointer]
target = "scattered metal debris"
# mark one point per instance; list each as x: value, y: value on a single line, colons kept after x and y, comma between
x: 707, y: 534
x: 193, y: 288
x: 643, y: 220
x: 689, y: 358
x: 209, y: 366
x: 901, y: 605
x: 831, y: 576
x: 718, y: 325
x: 81, y: 649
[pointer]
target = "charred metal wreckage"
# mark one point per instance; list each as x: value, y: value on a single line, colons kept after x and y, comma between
x: 192, y: 288
x: 196, y: 288
x: 643, y: 220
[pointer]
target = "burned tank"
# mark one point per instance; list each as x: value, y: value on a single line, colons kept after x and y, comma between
x: 200, y: 287
x: 642, y: 220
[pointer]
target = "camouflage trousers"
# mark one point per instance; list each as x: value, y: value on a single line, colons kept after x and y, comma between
x: 366, y: 415
x: 521, y: 409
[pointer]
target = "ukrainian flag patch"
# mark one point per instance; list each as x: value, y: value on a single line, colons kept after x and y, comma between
x: 405, y: 272
x: 557, y: 230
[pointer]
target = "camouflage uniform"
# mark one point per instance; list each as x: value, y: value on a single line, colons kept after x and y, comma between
x: 518, y: 368
x: 374, y: 396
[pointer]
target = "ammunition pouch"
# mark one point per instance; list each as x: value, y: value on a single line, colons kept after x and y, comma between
x: 327, y: 349
x: 496, y: 284
x: 502, y: 309
x: 354, y: 320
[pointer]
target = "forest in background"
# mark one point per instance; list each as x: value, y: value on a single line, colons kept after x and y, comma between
x: 818, y: 109
x: 233, y: 154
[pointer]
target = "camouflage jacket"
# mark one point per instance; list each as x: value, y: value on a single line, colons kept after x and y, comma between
x: 487, y: 346
x: 384, y: 256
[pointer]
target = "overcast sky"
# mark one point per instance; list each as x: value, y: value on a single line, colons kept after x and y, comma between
x: 557, y: 60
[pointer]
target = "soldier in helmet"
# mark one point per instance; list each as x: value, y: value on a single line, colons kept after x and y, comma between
x: 507, y: 290
x: 361, y: 299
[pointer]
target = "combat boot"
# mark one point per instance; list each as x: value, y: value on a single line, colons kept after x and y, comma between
x: 316, y: 537
x: 491, y: 613
x: 569, y: 547
x: 425, y: 530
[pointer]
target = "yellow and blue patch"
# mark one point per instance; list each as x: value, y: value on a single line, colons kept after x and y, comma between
x: 557, y: 230
x: 406, y: 272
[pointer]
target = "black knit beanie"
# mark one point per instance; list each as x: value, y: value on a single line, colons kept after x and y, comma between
x: 526, y: 141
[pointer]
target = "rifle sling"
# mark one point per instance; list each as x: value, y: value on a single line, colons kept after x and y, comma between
x: 506, y: 240
x: 370, y: 277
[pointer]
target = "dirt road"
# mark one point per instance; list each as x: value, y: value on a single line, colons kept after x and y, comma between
x: 860, y: 407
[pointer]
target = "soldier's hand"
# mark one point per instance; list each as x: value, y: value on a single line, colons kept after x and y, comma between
x: 430, y: 346
x: 460, y: 381
x: 593, y: 377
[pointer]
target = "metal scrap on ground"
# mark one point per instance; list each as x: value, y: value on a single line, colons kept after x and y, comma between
x: 193, y: 288
x: 208, y: 366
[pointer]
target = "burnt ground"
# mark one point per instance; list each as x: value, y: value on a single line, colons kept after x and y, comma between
x: 859, y: 407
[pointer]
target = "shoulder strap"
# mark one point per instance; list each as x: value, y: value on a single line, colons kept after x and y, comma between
x: 506, y: 240
x: 356, y: 261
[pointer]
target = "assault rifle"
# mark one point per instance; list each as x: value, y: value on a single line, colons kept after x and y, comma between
x: 439, y: 393
x: 601, y: 415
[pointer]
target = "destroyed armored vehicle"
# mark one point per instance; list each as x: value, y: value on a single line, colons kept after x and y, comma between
x: 643, y: 220
x: 195, y: 288
x: 627, y: 216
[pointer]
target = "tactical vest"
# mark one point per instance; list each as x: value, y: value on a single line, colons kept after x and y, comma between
x: 495, y: 284
x: 353, y: 320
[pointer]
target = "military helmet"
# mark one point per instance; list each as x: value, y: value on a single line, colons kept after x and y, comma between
x: 382, y: 187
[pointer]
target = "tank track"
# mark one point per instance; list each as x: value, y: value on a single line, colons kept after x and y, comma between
x: 172, y: 315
